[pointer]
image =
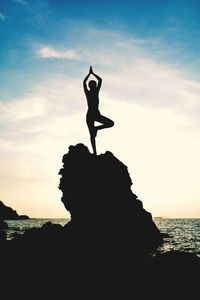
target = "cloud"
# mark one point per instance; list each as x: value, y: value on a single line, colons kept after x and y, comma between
x: 2, y: 16
x: 154, y: 85
x: 21, y: 109
x: 133, y: 74
x: 130, y: 72
x: 155, y: 109
x: 37, y: 130
x: 47, y: 52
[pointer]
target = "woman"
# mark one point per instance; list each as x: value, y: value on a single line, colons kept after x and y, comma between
x: 93, y: 113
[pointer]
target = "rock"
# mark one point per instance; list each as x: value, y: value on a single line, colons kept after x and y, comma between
x: 3, y: 225
x: 165, y: 235
x: 106, y: 247
x: 23, y: 217
x: 15, y: 235
x: 2, y: 236
x: 178, y: 271
x: 7, y: 213
x: 97, y: 193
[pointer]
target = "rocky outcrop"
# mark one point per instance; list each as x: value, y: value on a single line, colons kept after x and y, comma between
x: 105, y: 251
x: 2, y: 236
x: 7, y: 213
x: 3, y: 227
x: 97, y: 193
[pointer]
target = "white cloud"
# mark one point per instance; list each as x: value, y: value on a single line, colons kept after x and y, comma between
x: 156, y: 134
x: 47, y: 52
x: 2, y: 16
x: 130, y: 73
x: 21, y: 109
x: 154, y: 85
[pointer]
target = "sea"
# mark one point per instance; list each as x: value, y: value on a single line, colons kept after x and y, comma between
x: 180, y: 233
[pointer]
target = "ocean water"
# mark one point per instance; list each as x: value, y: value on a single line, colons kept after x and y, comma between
x: 183, y: 234
x: 20, y: 226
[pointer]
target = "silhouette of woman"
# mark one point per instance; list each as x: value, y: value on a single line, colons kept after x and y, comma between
x: 93, y: 113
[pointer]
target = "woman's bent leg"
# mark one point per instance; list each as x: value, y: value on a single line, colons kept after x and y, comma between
x: 105, y: 121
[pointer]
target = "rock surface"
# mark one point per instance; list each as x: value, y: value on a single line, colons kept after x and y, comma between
x: 7, y: 213
x: 3, y: 225
x: 97, y: 193
x: 107, y: 249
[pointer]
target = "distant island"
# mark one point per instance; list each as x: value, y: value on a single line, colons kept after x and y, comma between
x: 7, y: 213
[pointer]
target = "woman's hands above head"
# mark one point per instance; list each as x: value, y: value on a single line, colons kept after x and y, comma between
x: 90, y: 70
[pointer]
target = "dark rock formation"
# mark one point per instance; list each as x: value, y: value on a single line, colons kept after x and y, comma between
x: 97, y: 193
x: 7, y: 213
x: 3, y: 225
x: 176, y: 271
x: 2, y: 236
x: 105, y: 251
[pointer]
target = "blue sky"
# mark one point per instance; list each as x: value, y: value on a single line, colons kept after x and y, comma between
x: 172, y: 25
x: 148, y: 55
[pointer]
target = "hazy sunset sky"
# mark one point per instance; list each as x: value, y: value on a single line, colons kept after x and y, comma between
x: 148, y: 54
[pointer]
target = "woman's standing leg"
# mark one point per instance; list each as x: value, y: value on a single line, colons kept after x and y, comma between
x: 92, y: 130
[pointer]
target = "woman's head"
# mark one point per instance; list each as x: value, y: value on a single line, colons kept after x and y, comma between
x: 92, y: 84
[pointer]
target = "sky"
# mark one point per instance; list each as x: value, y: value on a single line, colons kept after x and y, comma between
x: 147, y: 53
